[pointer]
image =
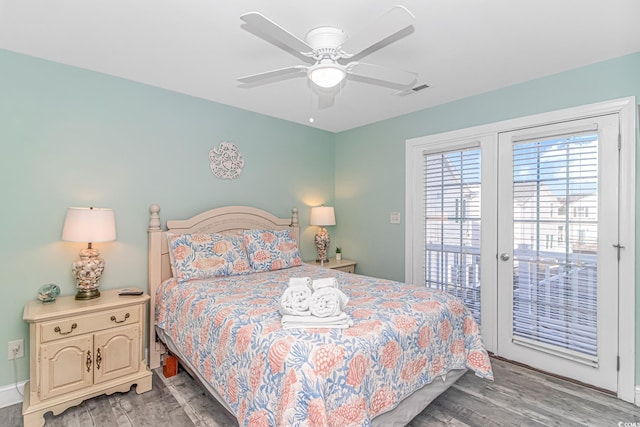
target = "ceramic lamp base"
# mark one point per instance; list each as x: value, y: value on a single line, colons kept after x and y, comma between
x: 322, y: 240
x: 88, y: 271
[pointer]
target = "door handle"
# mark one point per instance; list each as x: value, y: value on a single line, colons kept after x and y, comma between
x: 504, y: 256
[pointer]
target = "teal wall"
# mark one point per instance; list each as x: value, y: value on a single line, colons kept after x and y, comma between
x: 370, y: 162
x: 71, y: 137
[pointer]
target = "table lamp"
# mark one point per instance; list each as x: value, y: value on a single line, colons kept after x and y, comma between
x: 322, y: 216
x: 88, y: 225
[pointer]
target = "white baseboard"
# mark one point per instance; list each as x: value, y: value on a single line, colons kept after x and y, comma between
x: 637, y: 395
x: 10, y: 396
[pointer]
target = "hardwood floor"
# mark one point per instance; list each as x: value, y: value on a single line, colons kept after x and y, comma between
x: 518, y: 397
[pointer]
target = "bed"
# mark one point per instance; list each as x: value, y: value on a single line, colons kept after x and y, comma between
x: 406, y: 346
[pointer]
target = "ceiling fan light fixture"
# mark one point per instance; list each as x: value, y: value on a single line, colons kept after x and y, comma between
x: 327, y: 74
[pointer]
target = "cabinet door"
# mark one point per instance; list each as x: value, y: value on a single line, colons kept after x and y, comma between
x: 66, y: 366
x: 117, y: 353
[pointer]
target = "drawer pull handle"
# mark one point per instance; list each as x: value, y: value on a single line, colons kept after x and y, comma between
x: 98, y: 359
x: 89, y: 361
x: 126, y: 316
x: 58, y: 330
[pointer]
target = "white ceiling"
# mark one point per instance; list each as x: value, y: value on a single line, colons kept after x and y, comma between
x: 197, y: 47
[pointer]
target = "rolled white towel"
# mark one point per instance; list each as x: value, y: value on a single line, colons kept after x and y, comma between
x: 327, y: 282
x: 326, y: 302
x: 306, y: 281
x: 296, y: 298
x: 341, y: 321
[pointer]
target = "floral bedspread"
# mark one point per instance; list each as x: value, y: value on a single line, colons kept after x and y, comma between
x: 403, y: 337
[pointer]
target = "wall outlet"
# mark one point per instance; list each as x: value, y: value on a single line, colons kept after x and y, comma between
x: 16, y: 348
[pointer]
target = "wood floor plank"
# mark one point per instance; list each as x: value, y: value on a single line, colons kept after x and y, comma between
x: 156, y: 407
x: 435, y: 417
x: 483, y: 411
x: 203, y: 410
x: 554, y: 395
x: 104, y: 413
x: 77, y: 416
x: 11, y: 415
x: 517, y: 397
x: 552, y: 408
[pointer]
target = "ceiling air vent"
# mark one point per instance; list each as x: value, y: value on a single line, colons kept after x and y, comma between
x: 412, y: 90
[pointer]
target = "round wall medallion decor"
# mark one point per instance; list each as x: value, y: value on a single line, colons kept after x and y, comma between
x: 226, y: 161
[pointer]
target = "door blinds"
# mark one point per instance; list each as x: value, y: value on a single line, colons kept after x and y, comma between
x: 555, y: 230
x: 452, y: 224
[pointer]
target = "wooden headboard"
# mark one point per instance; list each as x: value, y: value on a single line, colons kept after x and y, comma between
x: 223, y: 220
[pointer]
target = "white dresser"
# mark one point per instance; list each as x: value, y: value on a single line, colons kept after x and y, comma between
x: 82, y: 349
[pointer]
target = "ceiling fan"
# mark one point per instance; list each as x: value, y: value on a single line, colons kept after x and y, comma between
x: 331, y: 54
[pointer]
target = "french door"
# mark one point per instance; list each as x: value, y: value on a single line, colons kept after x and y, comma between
x: 557, y: 248
x: 531, y: 222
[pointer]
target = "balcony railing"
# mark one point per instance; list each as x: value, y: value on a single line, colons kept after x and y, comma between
x: 456, y: 270
x: 555, y: 300
x: 554, y: 293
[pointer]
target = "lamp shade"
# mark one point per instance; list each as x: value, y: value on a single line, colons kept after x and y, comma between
x: 322, y: 216
x: 89, y: 225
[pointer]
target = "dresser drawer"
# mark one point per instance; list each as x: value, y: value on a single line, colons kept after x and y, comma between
x: 347, y: 269
x: 73, y: 326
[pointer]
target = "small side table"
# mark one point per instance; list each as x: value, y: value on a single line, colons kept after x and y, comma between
x: 82, y: 349
x: 345, y: 265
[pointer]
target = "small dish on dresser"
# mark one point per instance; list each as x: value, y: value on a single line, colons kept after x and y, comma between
x: 48, y: 293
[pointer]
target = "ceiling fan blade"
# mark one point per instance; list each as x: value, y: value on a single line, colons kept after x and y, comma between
x: 383, y: 76
x: 274, y: 74
x: 263, y: 27
x: 394, y: 21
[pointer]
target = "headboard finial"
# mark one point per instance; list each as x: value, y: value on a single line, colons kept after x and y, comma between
x: 154, y: 218
x: 294, y: 217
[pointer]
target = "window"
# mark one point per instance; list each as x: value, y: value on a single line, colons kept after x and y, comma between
x: 549, y: 241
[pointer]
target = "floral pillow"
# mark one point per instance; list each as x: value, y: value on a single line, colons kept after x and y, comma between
x: 271, y: 250
x: 204, y: 256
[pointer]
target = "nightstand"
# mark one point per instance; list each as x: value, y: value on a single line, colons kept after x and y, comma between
x: 346, y: 265
x: 82, y: 349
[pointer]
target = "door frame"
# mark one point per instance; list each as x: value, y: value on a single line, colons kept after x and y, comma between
x: 625, y: 108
